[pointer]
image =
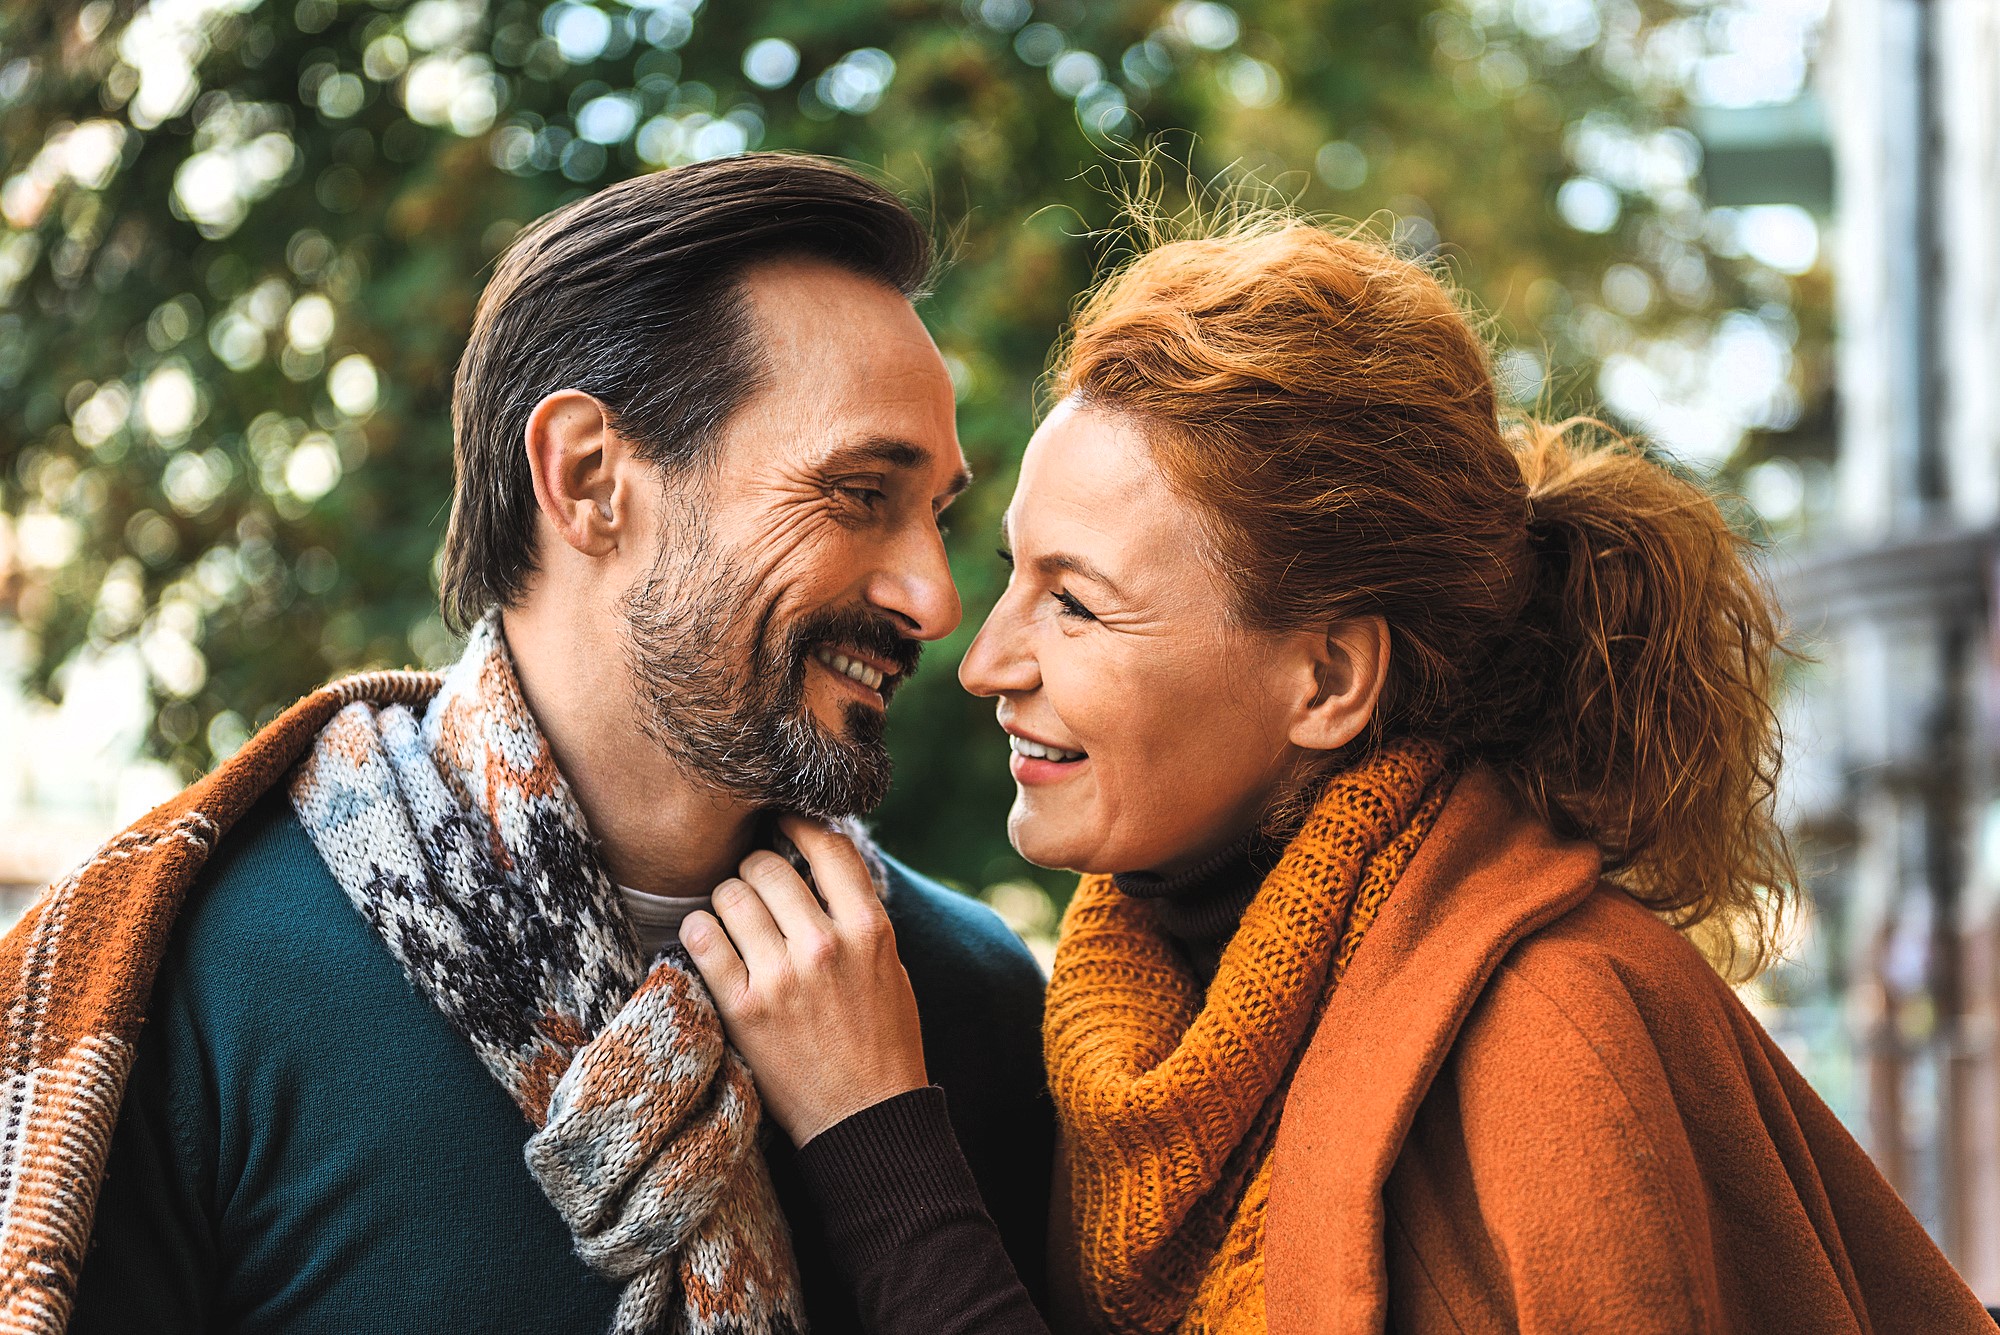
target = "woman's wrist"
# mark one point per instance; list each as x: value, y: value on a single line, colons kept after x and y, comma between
x: 888, y: 1169
x: 905, y: 1222
x: 810, y: 1129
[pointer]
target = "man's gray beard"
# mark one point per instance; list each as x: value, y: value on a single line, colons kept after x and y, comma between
x: 742, y: 727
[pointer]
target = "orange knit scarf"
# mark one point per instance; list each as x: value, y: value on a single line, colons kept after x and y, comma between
x: 1169, y: 1098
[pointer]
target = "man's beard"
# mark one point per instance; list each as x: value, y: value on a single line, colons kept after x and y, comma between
x: 744, y: 727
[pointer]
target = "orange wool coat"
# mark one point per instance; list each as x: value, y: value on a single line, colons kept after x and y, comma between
x: 1531, y: 1105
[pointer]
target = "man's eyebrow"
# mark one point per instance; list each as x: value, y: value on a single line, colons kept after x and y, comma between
x: 897, y: 453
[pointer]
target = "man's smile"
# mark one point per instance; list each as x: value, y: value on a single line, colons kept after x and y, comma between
x: 849, y: 663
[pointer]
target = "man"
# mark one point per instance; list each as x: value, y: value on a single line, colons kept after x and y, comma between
x: 419, y: 1049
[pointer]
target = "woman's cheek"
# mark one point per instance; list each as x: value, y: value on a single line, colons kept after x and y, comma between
x: 1097, y: 697
x: 1087, y: 692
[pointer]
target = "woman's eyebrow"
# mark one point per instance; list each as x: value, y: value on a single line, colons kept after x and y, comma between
x: 1065, y: 562
x: 1076, y: 565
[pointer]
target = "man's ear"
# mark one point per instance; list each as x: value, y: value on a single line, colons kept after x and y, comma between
x: 1349, y: 665
x: 576, y: 458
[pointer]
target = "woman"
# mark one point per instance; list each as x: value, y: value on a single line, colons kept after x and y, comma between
x: 1403, y: 752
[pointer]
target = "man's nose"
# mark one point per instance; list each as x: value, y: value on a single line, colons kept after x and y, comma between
x: 917, y: 587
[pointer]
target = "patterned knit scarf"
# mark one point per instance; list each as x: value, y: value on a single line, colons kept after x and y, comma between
x: 456, y: 837
x: 1170, y: 1098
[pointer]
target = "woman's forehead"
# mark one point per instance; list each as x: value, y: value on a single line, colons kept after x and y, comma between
x: 1091, y: 488
x: 1089, y: 466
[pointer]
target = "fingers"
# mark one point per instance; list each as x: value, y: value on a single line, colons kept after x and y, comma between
x: 728, y: 978
x: 839, y: 870
x: 785, y: 893
x: 752, y: 929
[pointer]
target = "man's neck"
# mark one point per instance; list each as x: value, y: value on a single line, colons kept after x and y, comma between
x: 658, y: 828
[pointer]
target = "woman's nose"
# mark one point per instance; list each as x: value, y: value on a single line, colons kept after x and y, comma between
x: 998, y: 663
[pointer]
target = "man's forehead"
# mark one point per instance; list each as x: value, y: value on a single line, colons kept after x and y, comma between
x: 809, y: 303
x: 854, y: 342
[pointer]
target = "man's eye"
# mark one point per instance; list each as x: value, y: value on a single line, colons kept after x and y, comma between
x: 870, y: 497
x: 1072, y: 608
x: 1005, y: 555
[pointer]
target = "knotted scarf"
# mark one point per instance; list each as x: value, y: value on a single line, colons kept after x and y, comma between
x: 1170, y: 1097
x: 459, y: 841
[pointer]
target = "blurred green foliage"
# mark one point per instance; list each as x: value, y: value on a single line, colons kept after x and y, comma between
x: 240, y: 244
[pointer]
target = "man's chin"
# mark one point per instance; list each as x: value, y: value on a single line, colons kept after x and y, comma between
x: 834, y: 719
x: 854, y: 796
x: 830, y: 767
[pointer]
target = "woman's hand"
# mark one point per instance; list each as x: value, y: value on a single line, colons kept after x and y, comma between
x: 814, y: 998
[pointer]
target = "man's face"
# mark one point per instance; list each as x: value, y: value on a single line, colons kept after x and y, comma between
x: 802, y: 563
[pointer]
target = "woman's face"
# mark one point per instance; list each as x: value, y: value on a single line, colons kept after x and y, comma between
x: 1149, y: 729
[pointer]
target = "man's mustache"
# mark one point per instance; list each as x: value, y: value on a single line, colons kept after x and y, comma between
x: 874, y: 635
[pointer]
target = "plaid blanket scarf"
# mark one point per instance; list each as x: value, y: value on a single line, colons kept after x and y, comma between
x: 436, y: 804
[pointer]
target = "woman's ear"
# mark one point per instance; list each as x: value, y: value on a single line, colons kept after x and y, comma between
x: 574, y: 455
x: 1349, y: 664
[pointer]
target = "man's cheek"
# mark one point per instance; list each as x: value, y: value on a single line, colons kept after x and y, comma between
x: 795, y: 596
x: 786, y: 539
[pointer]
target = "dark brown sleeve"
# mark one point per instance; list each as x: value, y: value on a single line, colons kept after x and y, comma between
x: 907, y: 1227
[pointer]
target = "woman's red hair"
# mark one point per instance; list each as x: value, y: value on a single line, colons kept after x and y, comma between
x: 1561, y: 607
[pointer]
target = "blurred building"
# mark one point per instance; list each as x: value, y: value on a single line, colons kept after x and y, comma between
x: 1893, y: 784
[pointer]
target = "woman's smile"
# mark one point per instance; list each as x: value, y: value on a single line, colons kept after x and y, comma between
x: 1036, y: 762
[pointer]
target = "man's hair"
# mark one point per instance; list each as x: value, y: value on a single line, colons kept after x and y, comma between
x: 633, y: 295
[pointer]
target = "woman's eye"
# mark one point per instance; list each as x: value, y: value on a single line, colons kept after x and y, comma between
x: 1072, y: 608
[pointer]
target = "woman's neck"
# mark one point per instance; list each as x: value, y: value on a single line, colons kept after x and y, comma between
x: 1201, y: 907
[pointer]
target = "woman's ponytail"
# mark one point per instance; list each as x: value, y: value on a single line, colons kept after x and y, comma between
x: 1652, y: 732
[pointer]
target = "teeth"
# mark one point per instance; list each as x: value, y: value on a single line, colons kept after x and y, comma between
x: 870, y: 677
x: 1036, y: 751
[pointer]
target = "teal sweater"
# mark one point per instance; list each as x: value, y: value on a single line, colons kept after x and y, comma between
x: 306, y: 1146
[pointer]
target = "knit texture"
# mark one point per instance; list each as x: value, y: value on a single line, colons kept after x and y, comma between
x: 458, y: 839
x: 1170, y: 1097
x: 1201, y: 907
x: 76, y: 973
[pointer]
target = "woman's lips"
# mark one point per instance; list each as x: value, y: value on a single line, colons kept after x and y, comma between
x: 1041, y: 770
x: 1035, y: 761
x: 1036, y: 772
